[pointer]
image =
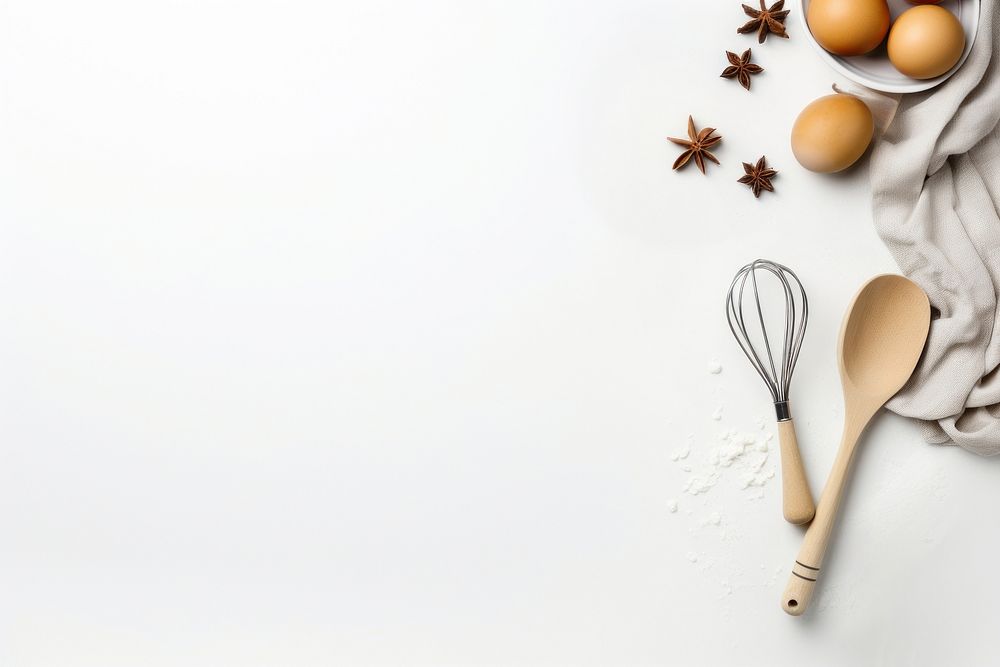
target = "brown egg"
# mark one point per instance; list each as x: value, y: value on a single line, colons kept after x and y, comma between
x: 832, y: 133
x: 848, y: 27
x: 926, y: 42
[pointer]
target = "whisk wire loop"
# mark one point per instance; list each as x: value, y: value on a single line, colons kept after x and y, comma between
x: 777, y: 376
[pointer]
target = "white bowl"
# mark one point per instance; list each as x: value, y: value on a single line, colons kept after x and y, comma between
x: 874, y: 69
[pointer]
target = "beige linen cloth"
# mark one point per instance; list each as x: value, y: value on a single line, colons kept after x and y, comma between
x: 935, y: 175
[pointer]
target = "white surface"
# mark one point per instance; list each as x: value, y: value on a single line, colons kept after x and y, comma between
x: 363, y: 333
x: 874, y: 69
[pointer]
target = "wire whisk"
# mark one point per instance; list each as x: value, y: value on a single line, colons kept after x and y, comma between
x: 776, y: 370
x: 777, y: 376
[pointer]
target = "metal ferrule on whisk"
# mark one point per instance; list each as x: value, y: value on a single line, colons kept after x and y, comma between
x: 782, y: 412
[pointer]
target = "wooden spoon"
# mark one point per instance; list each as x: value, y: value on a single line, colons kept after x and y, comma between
x: 881, y: 340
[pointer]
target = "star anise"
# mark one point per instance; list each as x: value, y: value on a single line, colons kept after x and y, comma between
x: 758, y: 176
x: 697, y: 147
x: 741, y: 68
x: 765, y: 20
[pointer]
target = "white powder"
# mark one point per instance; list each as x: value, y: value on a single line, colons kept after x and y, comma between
x: 683, y: 452
x: 698, y: 484
x: 757, y: 479
x: 739, y: 460
x: 744, y: 452
x: 714, y: 367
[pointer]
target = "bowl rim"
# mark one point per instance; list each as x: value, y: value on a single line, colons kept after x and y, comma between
x: 914, y: 85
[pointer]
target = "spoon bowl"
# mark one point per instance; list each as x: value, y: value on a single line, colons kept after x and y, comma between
x: 881, y: 341
x: 882, y: 337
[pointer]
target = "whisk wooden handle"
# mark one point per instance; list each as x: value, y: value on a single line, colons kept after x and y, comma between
x: 796, y: 501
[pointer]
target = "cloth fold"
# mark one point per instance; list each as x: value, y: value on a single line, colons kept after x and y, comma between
x: 935, y: 176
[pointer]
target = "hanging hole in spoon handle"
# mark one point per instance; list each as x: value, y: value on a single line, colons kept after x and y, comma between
x: 800, y: 589
x: 797, y: 504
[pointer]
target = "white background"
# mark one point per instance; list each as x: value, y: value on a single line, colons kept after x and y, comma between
x: 347, y: 333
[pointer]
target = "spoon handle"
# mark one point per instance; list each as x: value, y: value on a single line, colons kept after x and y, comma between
x: 796, y: 500
x: 806, y: 569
